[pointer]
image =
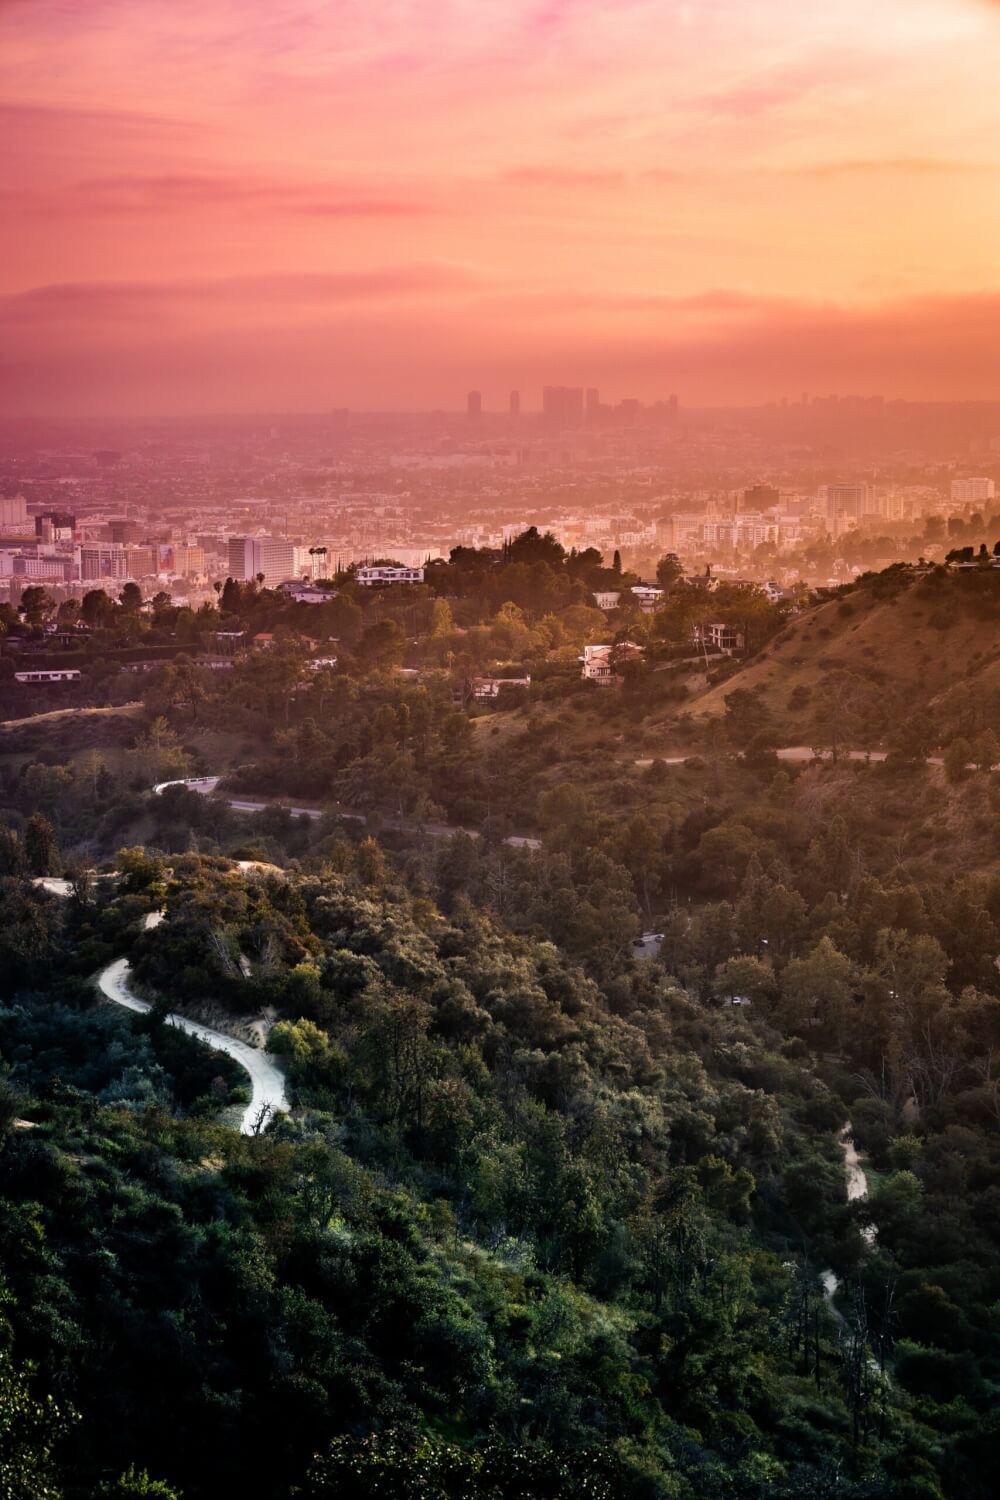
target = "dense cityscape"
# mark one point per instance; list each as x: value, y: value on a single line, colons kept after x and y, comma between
x: 767, y: 494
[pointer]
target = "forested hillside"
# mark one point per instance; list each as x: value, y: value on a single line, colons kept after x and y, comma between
x: 554, y: 1210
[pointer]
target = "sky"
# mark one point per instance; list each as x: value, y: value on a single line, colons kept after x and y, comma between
x: 264, y: 205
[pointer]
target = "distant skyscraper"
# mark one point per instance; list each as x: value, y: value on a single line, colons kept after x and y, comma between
x: 515, y: 403
x: 673, y: 405
x: 846, y: 502
x: 563, y: 404
x: 474, y: 406
x: 593, y: 402
x: 13, y: 510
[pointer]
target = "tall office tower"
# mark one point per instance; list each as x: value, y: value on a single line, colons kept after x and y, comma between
x: 846, y: 502
x: 563, y: 404
x: 13, y: 511
x: 271, y: 555
x: 515, y: 403
x: 672, y: 406
x: 474, y: 406
x: 278, y: 559
x: 972, y: 491
x: 102, y: 560
x: 141, y: 561
x: 593, y: 402
x: 122, y: 530
x: 241, y: 558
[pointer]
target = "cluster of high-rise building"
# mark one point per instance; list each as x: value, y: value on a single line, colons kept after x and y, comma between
x: 570, y: 406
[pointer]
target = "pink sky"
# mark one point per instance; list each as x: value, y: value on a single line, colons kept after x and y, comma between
x: 230, y: 204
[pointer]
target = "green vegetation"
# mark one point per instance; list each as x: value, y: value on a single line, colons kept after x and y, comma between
x: 549, y: 1216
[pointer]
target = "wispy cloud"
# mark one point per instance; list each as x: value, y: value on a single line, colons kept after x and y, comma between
x: 22, y: 120
x: 100, y: 300
x: 910, y: 166
x: 553, y: 175
x: 212, y: 193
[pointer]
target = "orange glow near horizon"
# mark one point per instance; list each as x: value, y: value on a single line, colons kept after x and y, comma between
x: 235, y: 205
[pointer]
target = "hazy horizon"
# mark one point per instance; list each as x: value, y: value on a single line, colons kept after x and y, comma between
x: 245, y: 207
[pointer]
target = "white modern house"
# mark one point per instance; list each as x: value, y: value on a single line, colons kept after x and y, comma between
x: 380, y: 576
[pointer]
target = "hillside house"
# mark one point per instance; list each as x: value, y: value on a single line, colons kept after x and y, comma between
x: 603, y: 664
x: 717, y: 636
x: 298, y: 591
x: 647, y: 596
x: 384, y: 577
x: 65, y: 675
x: 491, y: 687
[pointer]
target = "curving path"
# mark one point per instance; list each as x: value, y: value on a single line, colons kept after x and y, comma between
x: 206, y: 785
x: 268, y: 1090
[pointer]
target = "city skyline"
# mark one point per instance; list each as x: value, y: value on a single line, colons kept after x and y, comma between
x: 275, y: 206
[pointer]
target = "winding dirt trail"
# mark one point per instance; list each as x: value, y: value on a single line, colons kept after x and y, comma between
x: 268, y: 1089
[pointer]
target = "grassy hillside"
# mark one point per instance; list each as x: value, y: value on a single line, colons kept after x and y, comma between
x: 922, y: 643
x: 69, y: 730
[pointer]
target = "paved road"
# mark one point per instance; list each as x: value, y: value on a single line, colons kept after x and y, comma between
x: 268, y: 1091
x: 208, y: 784
x: 54, y: 884
x: 797, y: 752
x: 648, y: 945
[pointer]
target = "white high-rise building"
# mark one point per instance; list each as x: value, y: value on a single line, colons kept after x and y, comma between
x: 273, y: 556
x: 845, y: 505
x: 972, y: 491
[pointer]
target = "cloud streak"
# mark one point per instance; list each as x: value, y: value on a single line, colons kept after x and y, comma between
x: 187, y: 194
x: 102, y: 300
